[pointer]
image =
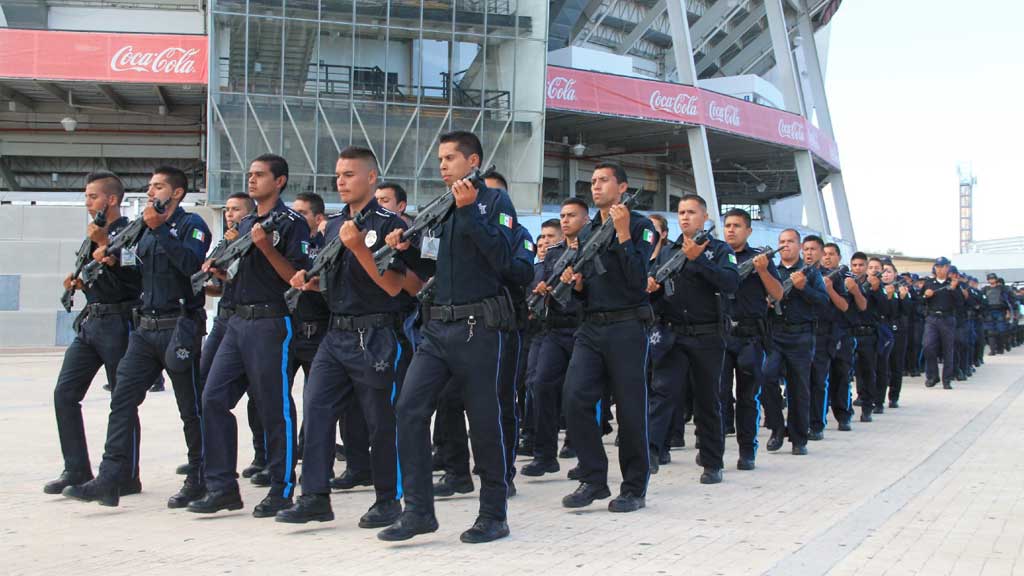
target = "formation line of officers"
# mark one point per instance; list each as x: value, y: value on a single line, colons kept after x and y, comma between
x: 398, y: 365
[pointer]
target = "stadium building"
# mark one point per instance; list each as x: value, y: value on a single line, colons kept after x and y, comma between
x: 724, y: 98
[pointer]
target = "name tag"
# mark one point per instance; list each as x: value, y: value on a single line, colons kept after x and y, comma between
x: 128, y: 257
x: 430, y: 247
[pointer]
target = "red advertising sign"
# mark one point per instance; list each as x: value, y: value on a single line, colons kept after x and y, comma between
x: 593, y: 92
x: 103, y: 57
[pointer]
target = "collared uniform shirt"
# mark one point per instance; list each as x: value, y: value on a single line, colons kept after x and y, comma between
x: 256, y: 281
x: 624, y: 285
x: 799, y: 306
x: 117, y: 284
x: 750, y: 299
x: 168, y: 257
x: 701, y: 286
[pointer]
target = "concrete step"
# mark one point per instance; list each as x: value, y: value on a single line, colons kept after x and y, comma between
x: 23, y: 222
x: 36, y: 327
x: 38, y: 256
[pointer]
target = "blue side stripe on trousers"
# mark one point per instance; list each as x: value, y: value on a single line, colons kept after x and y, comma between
x: 289, y: 486
x: 394, y: 394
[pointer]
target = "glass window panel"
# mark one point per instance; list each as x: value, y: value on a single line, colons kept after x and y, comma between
x: 334, y: 65
x: 264, y: 55
x: 227, y: 43
x: 263, y: 127
x: 469, y: 16
x: 230, y: 134
x: 368, y: 127
x: 437, y: 16
x: 399, y: 60
x: 427, y: 190
x: 335, y: 126
x: 468, y: 77
x: 501, y: 18
x: 370, y: 77
x: 399, y: 155
x: 237, y: 6
x: 526, y: 157
x: 372, y: 12
x: 299, y: 142
x: 297, y: 183
x: 307, y: 9
x: 224, y: 184
x: 530, y: 77
x: 431, y: 68
x: 406, y: 13
x: 266, y: 7
x: 300, y: 58
x: 336, y: 10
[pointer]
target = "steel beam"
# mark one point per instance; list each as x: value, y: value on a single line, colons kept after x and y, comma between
x: 783, y: 51
x: 161, y: 94
x: 111, y: 96
x: 740, y: 61
x: 55, y: 91
x: 711, y: 19
x: 642, y: 27
x: 13, y: 95
x: 10, y: 181
x: 712, y: 55
x: 817, y: 81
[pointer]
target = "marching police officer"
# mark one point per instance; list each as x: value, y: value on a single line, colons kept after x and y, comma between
x: 610, y: 350
x: 254, y: 355
x: 997, y: 314
x: 841, y: 367
x: 826, y: 334
x: 464, y: 338
x: 883, y: 314
x: 745, y: 343
x: 943, y: 298
x: 364, y: 356
x: 693, y: 315
x: 904, y: 304
x: 166, y: 336
x: 864, y: 327
x: 556, y: 345
x: 792, y: 346
x: 101, y: 338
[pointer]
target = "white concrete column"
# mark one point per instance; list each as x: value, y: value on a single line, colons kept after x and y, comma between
x: 835, y: 180
x: 697, y: 137
x: 814, y: 204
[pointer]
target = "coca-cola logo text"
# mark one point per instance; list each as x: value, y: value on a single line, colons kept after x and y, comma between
x: 562, y: 88
x: 727, y: 114
x: 171, y: 60
x: 792, y: 130
x: 678, y: 104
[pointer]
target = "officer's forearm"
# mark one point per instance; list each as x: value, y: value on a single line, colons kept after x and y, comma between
x: 390, y: 282
x: 280, y: 264
x: 837, y: 300
x: 771, y: 284
x: 411, y: 283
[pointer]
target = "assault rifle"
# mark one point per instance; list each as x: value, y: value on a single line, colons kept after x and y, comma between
x: 324, y: 258
x: 787, y: 286
x: 664, y: 274
x: 535, y: 303
x: 433, y: 214
x: 234, y: 251
x: 747, y: 268
x: 82, y: 257
x: 128, y: 237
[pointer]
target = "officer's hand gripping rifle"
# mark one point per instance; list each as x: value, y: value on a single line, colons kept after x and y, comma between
x: 325, y: 258
x: 234, y: 251
x: 747, y: 268
x: 427, y: 291
x: 787, y: 286
x: 535, y: 303
x: 128, y: 237
x: 434, y: 213
x: 588, y: 258
x: 82, y: 258
x: 664, y: 274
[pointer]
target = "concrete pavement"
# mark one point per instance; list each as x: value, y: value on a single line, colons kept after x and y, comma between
x: 934, y: 487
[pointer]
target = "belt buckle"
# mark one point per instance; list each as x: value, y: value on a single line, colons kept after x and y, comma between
x: 308, y: 329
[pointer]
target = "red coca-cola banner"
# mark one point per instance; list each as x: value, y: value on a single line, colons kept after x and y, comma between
x: 103, y: 57
x: 585, y: 91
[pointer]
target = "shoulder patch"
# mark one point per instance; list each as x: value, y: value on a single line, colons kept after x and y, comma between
x: 384, y: 212
x: 648, y: 236
x: 732, y: 258
x: 333, y: 216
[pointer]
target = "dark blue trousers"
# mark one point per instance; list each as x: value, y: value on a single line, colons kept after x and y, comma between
x: 474, y: 358
x: 745, y: 357
x: 210, y: 346
x: 940, y: 336
x: 866, y: 369
x: 792, y: 353
x: 821, y: 365
x: 100, y: 342
x: 252, y: 357
x: 142, y: 363
x: 839, y: 376
x: 555, y: 350
x: 349, y: 368
x: 610, y: 357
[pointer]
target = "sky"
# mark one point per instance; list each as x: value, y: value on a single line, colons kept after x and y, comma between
x: 914, y: 87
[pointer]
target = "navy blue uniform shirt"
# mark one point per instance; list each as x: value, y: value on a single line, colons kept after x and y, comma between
x: 350, y: 290
x: 168, y: 257
x: 624, y: 285
x: 750, y: 300
x: 798, y: 306
x: 312, y: 306
x: 572, y: 308
x: 476, y: 251
x: 256, y: 281
x: 827, y: 311
x: 701, y: 286
x: 948, y: 301
x: 117, y: 284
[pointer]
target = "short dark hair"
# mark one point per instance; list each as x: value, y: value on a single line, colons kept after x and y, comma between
x: 876, y: 259
x: 890, y: 263
x: 617, y: 170
x: 835, y: 247
x: 360, y: 153
x: 175, y: 177
x: 315, y: 201
x: 691, y: 197
x: 400, y: 195
x: 249, y: 204
x: 278, y: 166
x: 497, y: 176
x: 551, y: 223
x: 858, y: 256
x: 738, y: 213
x: 815, y: 239
x: 113, y: 186
x: 662, y: 222
x: 575, y: 201
x: 793, y: 230
x: 465, y: 142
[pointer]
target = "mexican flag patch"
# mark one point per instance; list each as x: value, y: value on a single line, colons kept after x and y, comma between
x: 528, y: 245
x: 198, y: 234
x: 505, y: 220
x: 305, y: 248
x: 649, y: 236
x: 732, y: 258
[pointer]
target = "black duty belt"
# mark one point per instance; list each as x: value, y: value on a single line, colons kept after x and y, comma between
x: 865, y: 330
x: 225, y: 312
x: 553, y: 322
x: 938, y: 313
x: 366, y: 322
x: 746, y: 329
x: 695, y: 329
x: 259, y: 311
x: 97, y: 310
x: 310, y: 329
x: 455, y: 313
x: 792, y: 328
x: 154, y: 322
x: 615, y: 316
x: 823, y: 329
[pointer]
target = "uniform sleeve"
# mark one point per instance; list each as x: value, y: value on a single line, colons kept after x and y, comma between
x: 188, y: 250
x: 296, y: 243
x: 492, y: 233
x: 635, y: 255
x: 814, y: 291
x: 720, y: 271
x: 521, y: 271
x: 392, y: 224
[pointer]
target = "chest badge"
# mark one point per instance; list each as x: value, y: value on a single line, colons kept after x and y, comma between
x: 710, y: 254
x: 655, y: 338
x: 277, y: 237
x: 371, y: 238
x: 483, y: 208
x: 182, y: 353
x: 173, y: 231
x: 380, y: 366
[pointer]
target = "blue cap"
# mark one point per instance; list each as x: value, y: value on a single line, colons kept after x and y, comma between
x: 953, y: 270
x: 942, y: 261
x: 915, y: 276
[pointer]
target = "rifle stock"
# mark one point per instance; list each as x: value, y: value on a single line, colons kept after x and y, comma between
x: 234, y: 251
x: 130, y: 236
x: 663, y: 275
